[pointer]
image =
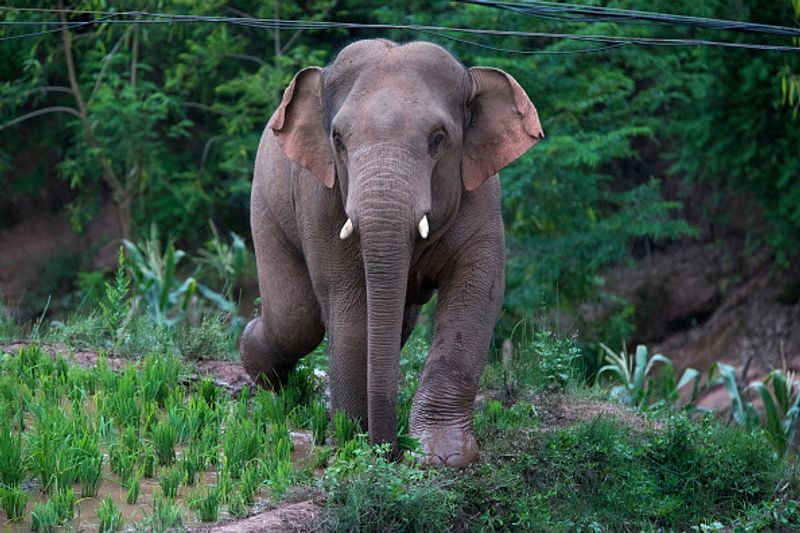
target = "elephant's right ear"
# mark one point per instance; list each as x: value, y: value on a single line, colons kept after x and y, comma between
x: 298, y: 125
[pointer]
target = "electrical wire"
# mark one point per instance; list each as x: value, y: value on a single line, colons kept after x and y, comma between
x: 143, y: 17
x: 591, y: 13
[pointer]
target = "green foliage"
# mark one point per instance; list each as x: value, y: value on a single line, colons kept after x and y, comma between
x: 602, y: 475
x: 494, y: 418
x: 632, y: 372
x: 745, y: 138
x: 781, y: 409
x: 366, y: 492
x: 116, y: 304
x: 781, y: 405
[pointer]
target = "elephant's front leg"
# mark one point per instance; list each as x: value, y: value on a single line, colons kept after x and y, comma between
x: 468, y: 307
x: 347, y: 338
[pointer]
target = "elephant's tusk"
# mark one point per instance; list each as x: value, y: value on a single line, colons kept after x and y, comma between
x: 347, y: 230
x: 423, y: 227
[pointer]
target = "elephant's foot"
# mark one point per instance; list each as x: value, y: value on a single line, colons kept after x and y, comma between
x: 260, y: 360
x: 453, y: 446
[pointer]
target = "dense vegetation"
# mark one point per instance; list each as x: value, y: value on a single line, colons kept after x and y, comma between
x: 164, y: 119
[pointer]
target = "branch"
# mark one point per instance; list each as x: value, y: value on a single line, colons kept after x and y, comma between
x: 66, y: 37
x: 32, y: 114
x: 207, y: 148
x: 204, y: 107
x: 48, y: 89
x: 106, y: 62
x: 246, y: 57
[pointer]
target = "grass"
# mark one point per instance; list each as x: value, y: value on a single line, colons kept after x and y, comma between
x: 59, y: 421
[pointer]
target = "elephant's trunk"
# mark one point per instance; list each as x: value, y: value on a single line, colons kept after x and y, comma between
x: 387, y: 212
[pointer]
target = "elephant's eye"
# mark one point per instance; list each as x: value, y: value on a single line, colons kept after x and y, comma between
x: 436, y: 142
x: 339, y: 143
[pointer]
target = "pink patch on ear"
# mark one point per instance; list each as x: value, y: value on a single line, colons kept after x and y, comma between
x: 299, y: 127
x: 504, y: 127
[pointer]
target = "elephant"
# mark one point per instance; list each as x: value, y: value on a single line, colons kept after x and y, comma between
x: 375, y: 184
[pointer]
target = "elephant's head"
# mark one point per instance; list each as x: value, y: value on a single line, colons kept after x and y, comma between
x: 403, y: 131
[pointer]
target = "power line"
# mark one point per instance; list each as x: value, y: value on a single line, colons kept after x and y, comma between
x: 143, y: 17
x: 596, y: 13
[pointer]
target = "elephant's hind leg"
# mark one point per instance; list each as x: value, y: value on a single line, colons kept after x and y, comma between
x: 289, y: 326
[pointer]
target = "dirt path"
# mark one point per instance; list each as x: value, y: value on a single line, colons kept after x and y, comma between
x: 299, y: 516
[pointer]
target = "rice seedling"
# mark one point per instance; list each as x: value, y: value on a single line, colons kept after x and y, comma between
x: 345, y: 428
x: 319, y: 420
x: 190, y: 463
x: 170, y: 481
x: 132, y: 488
x: 63, y: 501
x: 164, y: 441
x: 90, y: 471
x: 14, y: 501
x: 241, y: 444
x: 209, y: 391
x: 11, y: 460
x: 268, y: 408
x: 160, y: 375
x: 250, y: 481
x: 148, y: 462
x: 177, y: 419
x: 109, y: 516
x: 209, y: 445
x: 44, y: 517
x: 278, y: 466
x: 237, y: 505
x: 166, y: 515
x: 206, y: 506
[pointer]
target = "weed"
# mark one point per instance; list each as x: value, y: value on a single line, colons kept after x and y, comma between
x: 115, y: 307
x: 14, y: 501
x: 109, y: 516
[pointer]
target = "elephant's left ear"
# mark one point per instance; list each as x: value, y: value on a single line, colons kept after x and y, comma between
x: 298, y: 125
x: 503, y: 124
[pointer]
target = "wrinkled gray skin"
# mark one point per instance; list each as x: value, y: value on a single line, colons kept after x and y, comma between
x: 383, y: 136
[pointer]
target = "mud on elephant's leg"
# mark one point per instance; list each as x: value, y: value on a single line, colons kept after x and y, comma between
x: 442, y: 412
